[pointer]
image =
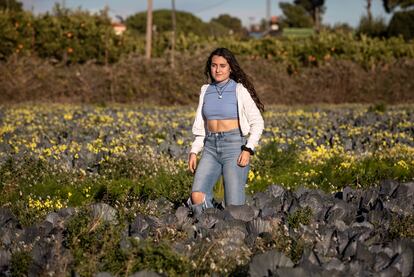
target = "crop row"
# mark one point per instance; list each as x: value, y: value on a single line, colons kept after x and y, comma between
x: 56, y: 156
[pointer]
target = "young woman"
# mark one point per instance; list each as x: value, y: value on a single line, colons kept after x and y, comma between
x: 228, y: 111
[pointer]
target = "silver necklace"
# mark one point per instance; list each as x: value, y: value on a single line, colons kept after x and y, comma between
x: 221, y: 89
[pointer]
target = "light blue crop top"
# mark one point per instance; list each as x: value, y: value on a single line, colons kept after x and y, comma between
x: 224, y: 107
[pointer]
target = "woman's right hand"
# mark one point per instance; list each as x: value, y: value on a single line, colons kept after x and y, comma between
x: 192, y: 162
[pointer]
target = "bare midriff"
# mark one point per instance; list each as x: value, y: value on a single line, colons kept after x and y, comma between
x: 222, y: 125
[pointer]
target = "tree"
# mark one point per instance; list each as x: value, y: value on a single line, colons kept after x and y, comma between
x: 390, y: 5
x: 402, y: 23
x: 232, y: 23
x: 373, y: 27
x: 294, y: 16
x: 186, y: 23
x: 11, y: 5
x: 315, y: 8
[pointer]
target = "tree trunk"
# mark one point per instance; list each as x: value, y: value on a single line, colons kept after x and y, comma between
x: 148, y: 42
x: 316, y: 18
x: 369, y: 14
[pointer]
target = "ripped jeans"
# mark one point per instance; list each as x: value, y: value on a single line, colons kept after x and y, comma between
x: 219, y: 157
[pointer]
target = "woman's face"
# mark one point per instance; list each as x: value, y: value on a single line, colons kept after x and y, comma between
x: 220, y: 68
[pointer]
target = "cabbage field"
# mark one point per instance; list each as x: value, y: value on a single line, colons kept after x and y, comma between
x: 88, y: 189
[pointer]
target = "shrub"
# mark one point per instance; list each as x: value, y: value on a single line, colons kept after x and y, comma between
x: 71, y: 36
x: 77, y: 36
x: 17, y: 33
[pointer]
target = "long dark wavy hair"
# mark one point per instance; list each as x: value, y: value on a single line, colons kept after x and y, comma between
x: 237, y: 74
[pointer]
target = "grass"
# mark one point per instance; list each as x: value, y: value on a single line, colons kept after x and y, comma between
x: 285, y: 167
x: 96, y: 247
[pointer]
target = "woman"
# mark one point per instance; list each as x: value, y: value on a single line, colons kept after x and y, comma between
x: 228, y: 111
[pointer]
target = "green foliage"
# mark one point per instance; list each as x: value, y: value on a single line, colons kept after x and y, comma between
x: 94, y: 244
x: 11, y: 5
x: 186, y: 23
x: 20, y: 262
x: 135, y: 175
x: 230, y: 22
x: 16, y: 34
x: 310, y: 5
x: 300, y: 217
x: 402, y: 227
x: 313, y: 7
x: 96, y: 247
x: 69, y: 36
x: 298, y: 32
x: 402, y: 24
x: 372, y: 28
x: 390, y: 5
x: 294, y: 16
x: 159, y: 258
x: 297, y: 249
x: 341, y: 27
x: 379, y: 108
x: 273, y: 165
x: 77, y: 37
x: 81, y: 37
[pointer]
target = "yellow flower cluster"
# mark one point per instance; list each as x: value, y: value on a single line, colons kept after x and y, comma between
x: 320, y: 154
x: 45, y: 205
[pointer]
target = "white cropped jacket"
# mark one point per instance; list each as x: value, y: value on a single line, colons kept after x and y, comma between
x: 250, y: 119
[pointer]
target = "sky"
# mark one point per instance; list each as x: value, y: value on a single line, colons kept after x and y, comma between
x: 250, y: 12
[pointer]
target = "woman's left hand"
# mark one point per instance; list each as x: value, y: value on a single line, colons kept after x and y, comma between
x: 243, y: 159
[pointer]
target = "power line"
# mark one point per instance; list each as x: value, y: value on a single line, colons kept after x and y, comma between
x: 211, y: 7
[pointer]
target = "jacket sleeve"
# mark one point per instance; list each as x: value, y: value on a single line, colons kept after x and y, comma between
x: 197, y: 144
x: 198, y: 126
x: 254, y: 118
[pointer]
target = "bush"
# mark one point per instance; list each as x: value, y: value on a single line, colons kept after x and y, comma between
x: 16, y: 34
x: 69, y: 36
x: 77, y: 36
x: 402, y: 23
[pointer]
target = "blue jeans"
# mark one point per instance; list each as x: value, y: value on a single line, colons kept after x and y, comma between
x: 219, y: 157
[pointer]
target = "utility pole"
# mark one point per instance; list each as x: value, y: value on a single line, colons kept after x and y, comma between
x: 148, y: 41
x: 268, y: 13
x: 174, y: 26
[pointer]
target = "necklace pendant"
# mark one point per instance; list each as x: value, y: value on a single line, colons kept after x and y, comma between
x: 220, y: 96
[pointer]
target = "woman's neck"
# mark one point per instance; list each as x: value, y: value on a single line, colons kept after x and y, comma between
x: 221, y: 82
